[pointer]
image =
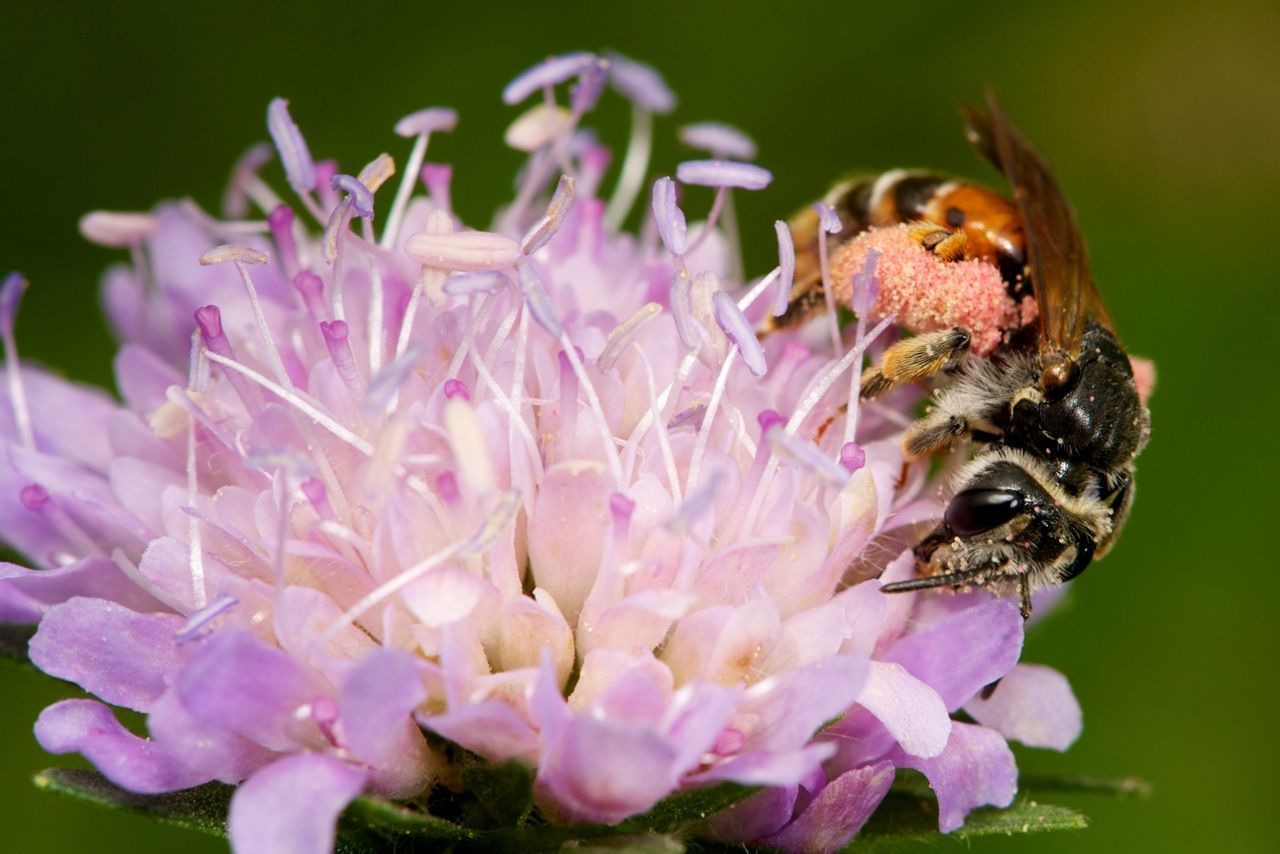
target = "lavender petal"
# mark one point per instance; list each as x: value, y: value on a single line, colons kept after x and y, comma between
x: 292, y: 805
x: 137, y: 764
x: 976, y: 769
x: 1032, y: 704
x: 838, y: 812
x: 126, y: 658
x: 377, y: 700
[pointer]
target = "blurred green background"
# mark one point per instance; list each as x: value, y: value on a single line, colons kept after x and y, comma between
x: 1161, y: 119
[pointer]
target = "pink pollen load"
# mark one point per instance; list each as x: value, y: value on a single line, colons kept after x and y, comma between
x: 926, y: 293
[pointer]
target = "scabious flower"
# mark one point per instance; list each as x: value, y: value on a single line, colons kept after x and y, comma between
x: 538, y: 491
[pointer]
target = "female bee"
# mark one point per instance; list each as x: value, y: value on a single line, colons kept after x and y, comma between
x: 1055, y: 414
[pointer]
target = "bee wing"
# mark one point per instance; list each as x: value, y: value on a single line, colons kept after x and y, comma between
x: 1061, y: 282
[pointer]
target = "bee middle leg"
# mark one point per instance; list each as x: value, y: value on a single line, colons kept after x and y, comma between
x: 914, y: 359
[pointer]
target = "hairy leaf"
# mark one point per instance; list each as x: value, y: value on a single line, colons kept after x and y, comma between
x: 203, y: 808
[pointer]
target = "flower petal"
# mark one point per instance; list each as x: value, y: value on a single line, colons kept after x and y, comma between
x: 292, y: 806
x: 1032, y: 704
x: 977, y: 768
x: 910, y: 710
x: 136, y: 764
x: 838, y: 812
x: 791, y: 706
x: 239, y: 683
x: 990, y: 635
x: 377, y: 698
x: 213, y: 751
x: 126, y: 658
x: 26, y: 594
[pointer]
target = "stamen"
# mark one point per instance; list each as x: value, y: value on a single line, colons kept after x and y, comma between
x: 470, y: 284
x: 704, y: 433
x: 376, y: 172
x: 420, y: 126
x: 375, y: 330
x: 568, y: 399
x: 195, y: 548
x: 720, y: 140
x: 735, y: 325
x: 640, y: 83
x: 465, y: 251
x: 821, y: 383
x: 586, y: 92
x: 218, y: 347
x: 535, y: 297
x: 623, y: 334
x: 235, y: 201
x: 828, y: 219
x: 467, y: 440
x: 359, y: 195
x: 313, y: 489
x: 437, y: 177
x: 241, y: 256
x: 717, y: 203
x: 593, y: 400
x: 852, y: 457
x: 549, y: 72
x: 808, y: 455
x: 456, y: 388
x: 723, y: 173
x: 311, y: 288
x: 299, y: 169
x: 866, y: 286
x: 344, y: 361
x: 545, y: 228
x: 384, y: 389
x: 669, y: 218
x: 116, y: 230
x: 828, y: 223
x: 698, y: 503
x: 681, y: 299
x: 430, y: 282
x: 10, y: 298
x: 295, y: 399
x: 201, y: 618
x: 748, y: 299
x: 280, y: 220
x: 787, y: 264
x: 634, y: 167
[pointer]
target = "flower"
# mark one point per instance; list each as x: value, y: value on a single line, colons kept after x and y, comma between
x: 538, y: 491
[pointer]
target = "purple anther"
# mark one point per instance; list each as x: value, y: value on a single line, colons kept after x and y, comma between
x: 720, y: 140
x: 670, y: 219
x: 640, y: 84
x: 549, y: 72
x: 294, y: 154
x: 734, y: 323
x: 786, y: 266
x: 828, y: 220
x: 430, y: 120
x: 357, y: 192
x: 723, y: 173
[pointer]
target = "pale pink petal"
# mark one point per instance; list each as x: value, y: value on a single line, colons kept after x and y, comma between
x: 292, y: 805
x: 1032, y: 704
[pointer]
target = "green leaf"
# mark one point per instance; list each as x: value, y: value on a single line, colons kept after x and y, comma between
x: 370, y: 822
x: 203, y: 808
x: 1121, y: 787
x: 685, y: 808
x: 649, y: 843
x: 907, y: 817
x: 505, y: 791
x: 13, y: 642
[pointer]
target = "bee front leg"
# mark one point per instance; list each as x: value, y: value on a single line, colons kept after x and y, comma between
x: 914, y: 359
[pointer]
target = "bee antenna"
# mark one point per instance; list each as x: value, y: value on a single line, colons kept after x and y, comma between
x: 928, y: 582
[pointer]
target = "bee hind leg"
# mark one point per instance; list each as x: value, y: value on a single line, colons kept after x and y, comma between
x: 913, y: 359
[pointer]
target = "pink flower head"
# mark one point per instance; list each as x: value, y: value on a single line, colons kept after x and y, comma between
x: 927, y: 294
x: 538, y: 491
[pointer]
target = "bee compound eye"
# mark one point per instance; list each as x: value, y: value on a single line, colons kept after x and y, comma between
x: 976, y: 510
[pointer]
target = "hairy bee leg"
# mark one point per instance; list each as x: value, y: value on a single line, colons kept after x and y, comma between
x: 928, y: 582
x: 935, y: 432
x: 946, y: 244
x: 914, y: 359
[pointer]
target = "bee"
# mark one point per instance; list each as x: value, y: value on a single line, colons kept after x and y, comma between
x: 1054, y: 413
